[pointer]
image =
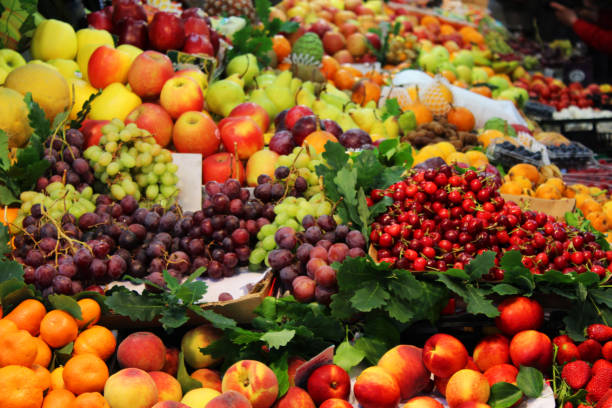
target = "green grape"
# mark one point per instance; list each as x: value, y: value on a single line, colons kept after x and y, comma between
x: 280, y: 208
x: 301, y: 213
x: 109, y: 127
x: 110, y: 137
x: 103, y: 177
x: 302, y: 160
x: 127, y: 161
x: 113, y: 168
x: 142, y: 181
x: 171, y: 167
x: 152, y: 191
x: 294, y: 224
x: 103, y: 140
x: 268, y: 230
x: 118, y: 123
x: 129, y: 186
x: 152, y: 178
x: 133, y: 128
x: 269, y: 243
x: 26, y: 207
x: 55, y: 186
x: 159, y: 169
x: 167, y: 179
x: 111, y: 147
x: 257, y: 256
x: 323, y: 208
x: 77, y: 211
x: 168, y: 191
x: 292, y: 211
x: 117, y: 192
x: 137, y: 195
x: 155, y: 149
x: 284, y: 161
x: 145, y: 159
x: 105, y: 159
x: 126, y: 135
x: 132, y: 151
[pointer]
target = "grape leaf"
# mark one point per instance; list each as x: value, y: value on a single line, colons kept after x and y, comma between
x: 280, y: 367
x: 243, y: 336
x: 504, y: 395
x: 38, y: 120
x: 145, y: 307
x: 335, y: 155
x: 400, y: 311
x: 173, y: 317
x: 503, y: 289
x: 515, y: 272
x: 580, y: 316
x: 368, y: 298
x: 346, y: 180
x: 347, y: 356
x: 278, y: 339
x: 477, y: 303
x: 67, y: 304
x: 531, y: 381
x: 602, y: 296
x: 379, y: 326
x: 8, y: 269
x: 5, y: 161
x: 404, y: 285
x: 392, y: 108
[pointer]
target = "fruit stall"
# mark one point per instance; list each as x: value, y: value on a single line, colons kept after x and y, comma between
x: 333, y: 204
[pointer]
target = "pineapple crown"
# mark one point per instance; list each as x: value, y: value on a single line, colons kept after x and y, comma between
x: 307, y: 50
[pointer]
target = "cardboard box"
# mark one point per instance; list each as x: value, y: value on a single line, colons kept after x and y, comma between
x: 556, y: 208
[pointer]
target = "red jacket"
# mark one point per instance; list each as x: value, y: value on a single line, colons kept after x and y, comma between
x: 594, y: 35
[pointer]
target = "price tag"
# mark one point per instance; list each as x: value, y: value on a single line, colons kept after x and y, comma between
x: 190, y: 180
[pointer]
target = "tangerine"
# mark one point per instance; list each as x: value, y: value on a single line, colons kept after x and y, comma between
x: 96, y: 340
x: 482, y: 90
x: 18, y: 388
x: 426, y: 20
x: 58, y: 399
x: 318, y: 139
x: 511, y: 187
x: 547, y: 191
x: 18, y: 348
x: 85, y: 373
x: 365, y: 91
x: 449, y: 75
x: 447, y: 29
x: 376, y: 77
x: 28, y: 315
x: 421, y: 113
x: 343, y: 78
x: 486, y: 137
x: 90, y: 312
x: 43, y: 377
x: 58, y: 328
x: 329, y: 66
x: 598, y: 220
x: 461, y: 117
x: 89, y: 400
x: 57, y: 378
x: 43, y: 354
x: 7, y: 326
x: 526, y: 170
x: 281, y: 47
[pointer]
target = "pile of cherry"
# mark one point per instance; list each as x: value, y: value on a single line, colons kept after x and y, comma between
x: 442, y: 219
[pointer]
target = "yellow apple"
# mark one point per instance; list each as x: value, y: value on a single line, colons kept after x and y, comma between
x: 87, y: 36
x: 10, y: 59
x: 3, y: 75
x: 115, y: 101
x: 80, y: 91
x: 68, y: 68
x: 54, y: 39
x: 130, y: 50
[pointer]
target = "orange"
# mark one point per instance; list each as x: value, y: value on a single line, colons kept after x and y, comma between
x: 281, y: 47
x: 329, y: 66
x: 17, y: 348
x: 96, y: 340
x: 489, y: 71
x: 421, y: 113
x: 426, y: 20
x: 318, y: 139
x: 590, y: 206
x: 557, y: 182
x: 354, y: 71
x: 89, y: 400
x: 90, y: 312
x: 57, y: 379
x: 376, y: 77
x: 85, y: 373
x: 18, y: 389
x: 58, y: 399
x: 462, y: 118
x: 449, y: 75
x: 28, y: 315
x: 43, y: 377
x: 526, y: 170
x: 7, y: 326
x: 58, y: 328
x: 482, y: 90
x: 486, y: 137
x: 511, y: 187
x: 470, y: 35
x: 43, y: 354
x: 446, y: 29
x: 343, y: 78
x: 365, y: 91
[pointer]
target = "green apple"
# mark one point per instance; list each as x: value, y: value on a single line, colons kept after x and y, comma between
x: 479, y: 75
x: 514, y: 94
x: 464, y: 73
x: 464, y: 57
x: 245, y: 66
x: 441, y: 52
x: 447, y: 66
x: 223, y: 96
x: 9, y: 60
x: 429, y: 61
x: 501, y: 83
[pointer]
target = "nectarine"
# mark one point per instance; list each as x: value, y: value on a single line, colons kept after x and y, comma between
x: 467, y: 385
x: 405, y: 364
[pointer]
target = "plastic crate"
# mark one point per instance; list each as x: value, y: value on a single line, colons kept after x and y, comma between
x: 500, y: 154
x: 574, y: 159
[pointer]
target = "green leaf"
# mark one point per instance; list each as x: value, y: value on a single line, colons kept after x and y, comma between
x: 243, y: 336
x: 173, y: 317
x: 515, y: 272
x: 280, y: 367
x: 368, y: 298
x: 602, y: 296
x: 38, y: 121
x: 379, y: 326
x: 187, y: 382
x: 7, y: 197
x: 503, y: 289
x: 59, y: 119
x: 388, y: 176
x: 373, y: 347
x: 580, y: 316
x: 400, y: 310
x: 480, y: 265
x: 262, y: 9
x: 347, y: 356
x: 278, y: 339
x: 145, y: 307
x: 531, y: 381
x: 392, y: 108
x: 346, y: 180
x: 9, y: 269
x: 504, y: 395
x: 67, y: 304
x: 5, y: 161
x: 191, y: 292
x: 404, y: 285
x: 477, y: 303
x: 454, y: 273
x: 217, y: 320
x: 335, y: 156
x: 267, y: 308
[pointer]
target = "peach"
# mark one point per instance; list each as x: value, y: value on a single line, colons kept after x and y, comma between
x: 181, y: 94
x: 168, y: 388
x: 142, y: 350
x: 154, y: 119
x: 149, y: 72
x: 444, y: 355
x: 335, y: 403
x: 376, y: 388
x: 253, y: 379
x: 255, y: 112
x: 229, y: 399
x: 344, y: 57
x: 196, y: 132
x: 170, y: 404
x: 357, y: 44
x: 492, y: 350
x: 261, y: 162
x: 107, y: 65
x: 467, y: 385
x: 333, y: 42
x: 501, y: 373
x: 199, y: 397
x: 423, y: 402
x: 405, y: 364
x: 474, y: 404
x: 171, y: 364
x: 519, y: 313
x: 295, y: 398
x: 208, y: 378
x: 533, y: 349
x: 294, y: 363
x: 194, y: 340
x: 130, y: 388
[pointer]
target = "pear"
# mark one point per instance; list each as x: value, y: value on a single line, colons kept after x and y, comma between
x: 305, y: 97
x: 325, y: 111
x: 245, y: 66
x: 265, y: 79
x: 365, y: 118
x: 345, y: 122
x: 295, y: 85
x: 223, y: 96
x: 332, y: 90
x: 259, y: 97
x: 281, y: 96
x: 237, y: 79
x: 283, y: 80
x: 391, y: 127
x: 333, y: 100
x: 378, y: 131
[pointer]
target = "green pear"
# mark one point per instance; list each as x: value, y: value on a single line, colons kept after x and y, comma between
x: 283, y: 79
x: 295, y: 85
x: 345, y: 122
x: 429, y: 61
x: 479, y: 75
x: 392, y: 127
x: 334, y: 100
x: 280, y: 96
x: 464, y: 73
x: 325, y: 111
x: 245, y: 66
x: 501, y: 83
x: 332, y: 90
x: 309, y: 86
x: 365, y: 118
x: 447, y: 66
x: 305, y: 97
x: 223, y: 96
x: 259, y: 97
x: 464, y: 57
x: 265, y: 79
x: 441, y: 52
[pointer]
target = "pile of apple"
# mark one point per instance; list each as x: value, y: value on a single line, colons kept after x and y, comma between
x: 128, y: 20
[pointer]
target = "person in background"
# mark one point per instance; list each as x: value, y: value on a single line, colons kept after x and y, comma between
x: 592, y: 24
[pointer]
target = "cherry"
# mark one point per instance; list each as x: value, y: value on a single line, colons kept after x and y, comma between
x: 385, y: 240
x: 419, y: 264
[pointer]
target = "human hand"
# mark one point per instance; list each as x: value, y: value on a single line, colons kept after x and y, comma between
x: 566, y: 15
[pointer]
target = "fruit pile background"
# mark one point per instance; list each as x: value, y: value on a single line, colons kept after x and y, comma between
x: 392, y: 252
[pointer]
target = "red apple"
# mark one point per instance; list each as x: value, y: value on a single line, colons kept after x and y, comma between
x: 166, y: 31
x: 362, y: 10
x: 133, y: 32
x: 92, y: 130
x: 333, y: 42
x: 133, y: 9
x: 255, y: 112
x: 356, y: 44
x: 241, y: 135
x: 181, y: 94
x: 329, y: 381
x: 107, y: 65
x: 100, y: 20
x: 374, y: 39
x: 149, y: 72
x: 198, y: 44
x: 193, y: 12
x: 295, y: 113
x: 444, y: 355
x: 348, y: 28
x: 222, y: 166
x: 155, y: 119
x: 196, y: 132
x: 519, y: 313
x: 196, y: 25
x: 344, y: 57
x: 320, y: 27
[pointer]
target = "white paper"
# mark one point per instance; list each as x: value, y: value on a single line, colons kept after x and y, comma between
x: 190, y: 180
